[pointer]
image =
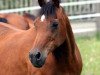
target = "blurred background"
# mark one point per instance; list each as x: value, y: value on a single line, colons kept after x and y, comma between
x: 84, y: 17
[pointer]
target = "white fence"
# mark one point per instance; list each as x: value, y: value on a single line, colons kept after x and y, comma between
x: 77, y: 9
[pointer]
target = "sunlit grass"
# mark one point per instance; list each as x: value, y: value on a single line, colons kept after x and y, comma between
x: 90, y: 52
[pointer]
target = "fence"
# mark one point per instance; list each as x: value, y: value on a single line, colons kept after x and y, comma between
x: 76, y: 9
x: 81, y: 8
x: 9, y: 4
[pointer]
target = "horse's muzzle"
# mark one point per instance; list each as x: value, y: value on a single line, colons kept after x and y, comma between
x: 37, y: 59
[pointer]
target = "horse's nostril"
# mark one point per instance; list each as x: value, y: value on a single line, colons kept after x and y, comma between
x: 38, y: 55
x: 35, y: 56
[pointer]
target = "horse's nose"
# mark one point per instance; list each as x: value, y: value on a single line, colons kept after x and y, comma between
x: 36, y: 56
x: 37, y: 59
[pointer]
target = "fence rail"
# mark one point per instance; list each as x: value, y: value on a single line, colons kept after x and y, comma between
x: 80, y: 3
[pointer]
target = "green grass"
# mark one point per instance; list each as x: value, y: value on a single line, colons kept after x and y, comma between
x: 90, y: 52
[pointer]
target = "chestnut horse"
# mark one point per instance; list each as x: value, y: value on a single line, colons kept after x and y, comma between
x: 47, y: 48
x: 16, y: 20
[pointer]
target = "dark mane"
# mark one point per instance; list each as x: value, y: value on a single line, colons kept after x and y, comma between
x: 48, y: 9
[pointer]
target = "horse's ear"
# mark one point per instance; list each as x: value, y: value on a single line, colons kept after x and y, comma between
x: 41, y: 2
x: 56, y: 3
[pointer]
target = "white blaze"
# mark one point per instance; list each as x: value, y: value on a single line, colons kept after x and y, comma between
x: 42, y: 18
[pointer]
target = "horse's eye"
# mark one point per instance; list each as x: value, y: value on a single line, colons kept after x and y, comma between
x: 54, y: 25
x: 3, y: 20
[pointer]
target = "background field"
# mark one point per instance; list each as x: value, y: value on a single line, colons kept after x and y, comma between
x: 90, y: 51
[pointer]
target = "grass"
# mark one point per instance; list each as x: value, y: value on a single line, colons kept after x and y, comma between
x: 90, y: 52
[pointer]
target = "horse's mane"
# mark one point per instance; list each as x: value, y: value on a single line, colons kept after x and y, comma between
x: 48, y: 9
x: 8, y: 27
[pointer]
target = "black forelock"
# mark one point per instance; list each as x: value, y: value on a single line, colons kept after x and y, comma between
x: 49, y: 10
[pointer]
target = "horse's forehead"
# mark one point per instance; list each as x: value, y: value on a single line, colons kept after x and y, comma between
x: 43, y: 17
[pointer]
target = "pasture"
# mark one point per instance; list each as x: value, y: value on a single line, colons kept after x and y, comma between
x: 90, y: 52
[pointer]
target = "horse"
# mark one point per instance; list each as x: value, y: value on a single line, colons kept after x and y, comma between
x: 57, y: 51
x: 47, y: 48
x: 16, y: 20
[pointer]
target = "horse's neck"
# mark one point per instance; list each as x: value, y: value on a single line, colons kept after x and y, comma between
x: 65, y: 58
x: 61, y: 54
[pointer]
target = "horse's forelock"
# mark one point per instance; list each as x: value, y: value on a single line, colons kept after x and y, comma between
x: 56, y: 3
x: 49, y: 10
